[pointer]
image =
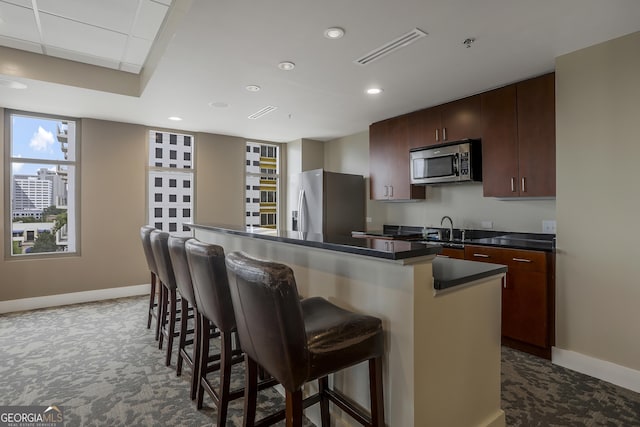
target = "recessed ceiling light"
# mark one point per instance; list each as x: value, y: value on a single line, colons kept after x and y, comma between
x: 253, y: 88
x: 334, y: 33
x: 12, y: 84
x: 286, y: 65
x: 175, y: 118
x: 374, y: 91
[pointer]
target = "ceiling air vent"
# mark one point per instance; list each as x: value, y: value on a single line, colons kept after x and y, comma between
x: 394, y: 45
x: 262, y: 112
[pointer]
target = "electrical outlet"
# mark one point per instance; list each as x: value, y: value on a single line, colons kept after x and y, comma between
x: 487, y: 224
x: 549, y: 226
x: 369, y: 219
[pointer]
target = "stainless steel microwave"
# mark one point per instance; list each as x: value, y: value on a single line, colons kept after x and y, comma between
x: 451, y: 162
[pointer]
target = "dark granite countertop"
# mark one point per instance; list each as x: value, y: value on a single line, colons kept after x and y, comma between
x: 377, y: 248
x: 502, y: 239
x: 448, y: 272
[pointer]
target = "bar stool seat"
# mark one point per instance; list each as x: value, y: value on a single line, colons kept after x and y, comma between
x: 337, y: 337
x: 299, y: 341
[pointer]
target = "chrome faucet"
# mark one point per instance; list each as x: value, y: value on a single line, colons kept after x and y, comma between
x: 450, y: 225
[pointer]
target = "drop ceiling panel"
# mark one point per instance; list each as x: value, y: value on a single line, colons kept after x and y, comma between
x: 149, y: 20
x: 25, y: 3
x: 82, y: 38
x: 18, y: 23
x: 116, y: 15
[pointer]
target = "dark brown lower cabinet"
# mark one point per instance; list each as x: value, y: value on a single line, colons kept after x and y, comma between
x: 452, y: 253
x: 528, y: 297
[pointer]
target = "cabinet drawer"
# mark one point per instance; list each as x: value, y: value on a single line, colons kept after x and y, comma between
x: 513, y: 258
x: 485, y: 254
x: 526, y: 260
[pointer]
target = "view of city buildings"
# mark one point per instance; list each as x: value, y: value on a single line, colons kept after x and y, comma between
x: 40, y: 199
x: 170, y: 182
x: 261, y: 192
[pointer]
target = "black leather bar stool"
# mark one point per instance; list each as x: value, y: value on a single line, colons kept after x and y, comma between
x: 168, y: 294
x: 206, y: 263
x: 184, y: 285
x: 145, y: 236
x: 299, y: 341
x: 213, y: 302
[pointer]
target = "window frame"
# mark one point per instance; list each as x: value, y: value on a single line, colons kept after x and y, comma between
x: 8, y: 181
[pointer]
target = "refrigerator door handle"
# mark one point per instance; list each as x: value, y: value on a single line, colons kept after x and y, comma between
x: 301, y: 217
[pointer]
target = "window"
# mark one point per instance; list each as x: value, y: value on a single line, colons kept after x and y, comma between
x: 262, y: 185
x: 43, y: 180
x: 172, y: 181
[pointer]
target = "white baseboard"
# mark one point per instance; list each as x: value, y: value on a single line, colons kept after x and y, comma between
x: 601, y: 369
x: 71, y: 298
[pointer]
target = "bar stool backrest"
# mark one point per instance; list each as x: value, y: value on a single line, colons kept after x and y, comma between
x: 178, y: 255
x: 160, y: 247
x: 145, y: 236
x: 210, y: 283
x: 269, y: 315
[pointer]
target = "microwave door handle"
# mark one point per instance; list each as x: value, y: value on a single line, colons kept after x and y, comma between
x: 456, y: 162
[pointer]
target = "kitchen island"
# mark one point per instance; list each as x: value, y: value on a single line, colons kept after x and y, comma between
x: 442, y: 346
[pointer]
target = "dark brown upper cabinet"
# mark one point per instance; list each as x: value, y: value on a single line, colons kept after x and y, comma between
x: 389, y: 161
x: 518, y: 139
x: 448, y: 122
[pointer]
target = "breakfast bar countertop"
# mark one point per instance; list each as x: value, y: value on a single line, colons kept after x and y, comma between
x: 377, y: 248
x: 449, y: 272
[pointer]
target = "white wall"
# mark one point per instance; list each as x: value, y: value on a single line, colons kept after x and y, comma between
x: 464, y: 203
x: 598, y: 147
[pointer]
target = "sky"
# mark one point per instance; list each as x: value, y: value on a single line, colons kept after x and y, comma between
x: 34, y: 137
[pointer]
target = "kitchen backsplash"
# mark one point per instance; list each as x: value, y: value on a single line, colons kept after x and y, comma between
x: 467, y: 207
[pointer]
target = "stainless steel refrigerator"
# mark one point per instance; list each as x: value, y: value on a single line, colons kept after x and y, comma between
x: 331, y: 203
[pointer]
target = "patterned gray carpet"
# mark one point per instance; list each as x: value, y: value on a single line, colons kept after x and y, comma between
x: 102, y: 365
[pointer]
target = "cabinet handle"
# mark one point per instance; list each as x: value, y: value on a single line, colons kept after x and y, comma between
x: 444, y: 134
x: 481, y: 255
x: 504, y: 282
x: 437, y: 136
x: 513, y: 184
x: 524, y: 190
x: 386, y: 191
x: 391, y: 191
x: 521, y: 260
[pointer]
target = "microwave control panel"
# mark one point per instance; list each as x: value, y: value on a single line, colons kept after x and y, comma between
x: 464, y: 163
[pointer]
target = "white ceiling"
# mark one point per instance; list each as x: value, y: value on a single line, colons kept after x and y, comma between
x: 116, y: 33
x: 219, y: 47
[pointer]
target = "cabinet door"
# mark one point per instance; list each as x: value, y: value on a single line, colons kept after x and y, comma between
x: 525, y: 308
x: 389, y: 162
x: 380, y: 146
x: 499, y: 143
x: 424, y: 128
x: 525, y: 299
x: 461, y: 119
x: 537, y: 136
